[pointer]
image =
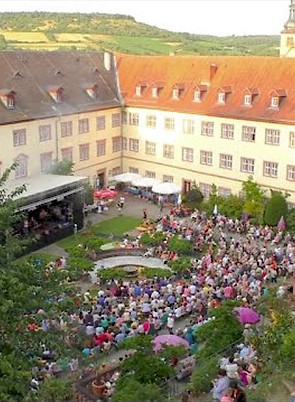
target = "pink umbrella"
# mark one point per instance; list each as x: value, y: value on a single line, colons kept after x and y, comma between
x: 105, y: 193
x: 171, y: 340
x: 282, y: 224
x: 247, y: 315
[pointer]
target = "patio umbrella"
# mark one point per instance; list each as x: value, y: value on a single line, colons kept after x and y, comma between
x: 145, y: 182
x: 105, y: 193
x: 282, y: 224
x: 171, y: 340
x: 125, y: 177
x: 247, y: 315
x: 166, y: 188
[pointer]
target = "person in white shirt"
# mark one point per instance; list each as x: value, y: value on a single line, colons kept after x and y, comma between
x: 232, y: 369
x: 170, y: 323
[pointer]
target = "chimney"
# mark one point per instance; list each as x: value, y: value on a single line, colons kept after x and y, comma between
x: 107, y: 60
x: 213, y: 71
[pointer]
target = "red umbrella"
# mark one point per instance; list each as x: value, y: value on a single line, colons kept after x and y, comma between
x: 105, y: 193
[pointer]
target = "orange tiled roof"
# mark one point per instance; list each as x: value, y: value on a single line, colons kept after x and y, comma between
x: 259, y: 75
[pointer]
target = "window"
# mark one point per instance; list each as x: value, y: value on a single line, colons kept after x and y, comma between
x: 175, y: 93
x: 274, y: 102
x: 66, y: 128
x: 248, y: 133
x: 151, y: 121
x: 138, y: 90
x: 45, y: 132
x: 290, y: 172
x: 22, y: 166
x: 133, y: 170
x: 100, y: 123
x: 150, y: 148
x: 221, y: 97
x: 227, y: 131
x: 292, y: 139
x: 83, y: 126
x: 247, y: 100
x: 46, y: 161
x: 169, y: 123
x: 272, y: 137
x: 116, y: 120
x: 168, y: 151
x: 124, y: 143
x: 188, y: 126
x: 225, y: 161
x: 116, y: 144
x: 154, y: 92
x: 150, y: 174
x: 224, y: 192
x: 133, y: 119
x: 206, y: 158
x: 167, y: 178
x: 84, y: 152
x: 205, y: 189
x: 187, y: 154
x: 197, y: 96
x: 115, y: 171
x: 270, y: 169
x: 124, y: 117
x: 207, y: 128
x: 100, y: 148
x: 19, y: 138
x: 133, y: 145
x: 67, y: 154
x: 247, y: 165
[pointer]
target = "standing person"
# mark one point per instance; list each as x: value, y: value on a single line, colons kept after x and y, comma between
x: 221, y: 385
x: 161, y: 202
x: 238, y: 395
x: 170, y: 323
x: 122, y: 201
x: 144, y: 214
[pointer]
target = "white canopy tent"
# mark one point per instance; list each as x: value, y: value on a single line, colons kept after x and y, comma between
x: 125, y: 177
x: 145, y: 182
x: 166, y: 188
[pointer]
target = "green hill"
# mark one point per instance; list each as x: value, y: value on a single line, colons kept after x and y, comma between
x: 116, y: 32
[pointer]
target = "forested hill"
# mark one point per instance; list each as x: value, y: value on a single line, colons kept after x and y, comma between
x: 116, y: 32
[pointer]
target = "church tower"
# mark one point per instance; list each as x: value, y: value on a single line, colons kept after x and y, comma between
x: 287, y: 47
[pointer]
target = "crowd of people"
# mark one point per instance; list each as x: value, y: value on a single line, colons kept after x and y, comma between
x: 240, y: 261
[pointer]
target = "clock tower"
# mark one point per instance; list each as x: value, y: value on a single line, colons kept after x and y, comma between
x: 287, y: 47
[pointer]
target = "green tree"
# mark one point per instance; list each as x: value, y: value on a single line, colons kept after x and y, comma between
x: 3, y: 43
x: 133, y: 391
x: 64, y: 167
x: 193, y: 198
x: 254, y: 197
x: 275, y: 208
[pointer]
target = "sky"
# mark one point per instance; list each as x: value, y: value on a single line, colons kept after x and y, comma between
x: 210, y: 17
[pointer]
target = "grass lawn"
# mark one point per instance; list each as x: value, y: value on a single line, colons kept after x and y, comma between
x: 46, y: 257
x: 117, y: 226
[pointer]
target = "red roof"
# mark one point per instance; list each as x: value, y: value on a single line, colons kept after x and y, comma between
x: 259, y: 75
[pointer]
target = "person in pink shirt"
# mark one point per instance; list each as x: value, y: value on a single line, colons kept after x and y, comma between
x: 228, y: 292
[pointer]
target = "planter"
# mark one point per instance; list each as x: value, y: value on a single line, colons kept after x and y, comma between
x: 98, y: 389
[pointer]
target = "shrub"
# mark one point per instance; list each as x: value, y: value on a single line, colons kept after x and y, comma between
x: 156, y: 272
x: 181, y: 264
x: 204, y: 375
x: 111, y: 273
x: 77, y: 267
x: 180, y: 246
x: 94, y: 243
x: 152, y: 240
x: 275, y: 207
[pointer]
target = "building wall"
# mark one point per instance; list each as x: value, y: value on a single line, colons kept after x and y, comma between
x: 227, y: 179
x: 34, y: 148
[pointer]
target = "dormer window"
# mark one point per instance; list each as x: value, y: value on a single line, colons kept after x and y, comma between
x: 7, y: 97
x: 274, y: 101
x: 177, y: 91
x: 276, y: 98
x: 91, y: 90
x: 247, y: 100
x: 199, y: 92
x: 56, y: 93
x: 138, y: 90
x: 221, y: 97
x: 154, y: 92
